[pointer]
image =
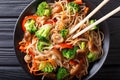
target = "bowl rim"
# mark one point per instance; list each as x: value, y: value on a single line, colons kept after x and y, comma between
x: 86, y: 77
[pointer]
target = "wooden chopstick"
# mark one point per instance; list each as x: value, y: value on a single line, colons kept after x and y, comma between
x: 89, y: 16
x: 97, y: 22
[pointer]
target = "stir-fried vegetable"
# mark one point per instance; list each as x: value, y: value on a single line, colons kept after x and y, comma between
x: 69, y: 53
x: 30, y: 26
x: 78, y: 1
x: 43, y: 32
x: 86, y: 10
x: 23, y: 47
x: 43, y: 9
x: 73, y: 7
x: 63, y: 46
x: 64, y: 33
x: 33, y: 17
x: 62, y: 73
x: 82, y: 45
x: 95, y: 27
x: 46, y: 67
x: 91, y: 57
x: 42, y: 45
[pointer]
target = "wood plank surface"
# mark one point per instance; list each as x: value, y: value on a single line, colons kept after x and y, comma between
x: 10, y: 68
x: 13, y: 8
x: 13, y: 73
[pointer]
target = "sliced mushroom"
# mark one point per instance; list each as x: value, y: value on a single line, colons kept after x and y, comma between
x: 56, y: 8
x: 92, y: 47
x: 27, y: 58
x: 27, y: 36
x: 57, y: 38
x: 75, y: 69
x: 80, y: 51
x: 56, y: 54
x: 41, y: 20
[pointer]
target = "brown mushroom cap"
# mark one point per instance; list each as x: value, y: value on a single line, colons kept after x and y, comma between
x: 57, y: 38
x: 75, y: 69
x: 56, y: 8
x: 56, y: 53
x: 27, y: 58
x: 27, y: 36
x: 92, y: 47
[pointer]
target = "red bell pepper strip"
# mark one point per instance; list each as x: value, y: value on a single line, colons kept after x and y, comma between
x: 63, y: 46
x: 78, y: 1
x: 72, y: 62
x: 50, y: 22
x: 27, y: 18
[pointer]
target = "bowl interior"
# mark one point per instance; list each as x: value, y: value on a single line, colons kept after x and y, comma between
x: 30, y: 9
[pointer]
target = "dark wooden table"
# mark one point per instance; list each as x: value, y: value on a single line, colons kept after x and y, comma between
x: 10, y: 68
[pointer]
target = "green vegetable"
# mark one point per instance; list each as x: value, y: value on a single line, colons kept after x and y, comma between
x: 69, y: 53
x: 64, y: 33
x: 82, y: 45
x: 46, y: 67
x: 42, y: 45
x: 43, y: 9
x: 91, y: 57
x: 95, y: 27
x: 43, y: 32
x: 30, y: 26
x: 62, y: 73
x: 73, y: 7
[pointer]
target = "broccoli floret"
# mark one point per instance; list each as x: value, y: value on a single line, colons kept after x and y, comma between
x: 30, y: 26
x: 69, y: 53
x: 73, y: 7
x: 64, y: 33
x: 42, y: 45
x: 82, y: 45
x: 46, y: 67
x: 43, y: 32
x: 91, y: 57
x: 95, y: 27
x: 43, y: 9
x: 62, y: 73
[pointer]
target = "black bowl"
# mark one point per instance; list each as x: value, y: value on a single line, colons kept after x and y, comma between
x: 18, y: 35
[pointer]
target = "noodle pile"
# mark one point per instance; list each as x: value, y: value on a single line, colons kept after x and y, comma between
x: 61, y: 18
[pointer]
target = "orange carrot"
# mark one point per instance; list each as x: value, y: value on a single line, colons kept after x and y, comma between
x: 34, y: 66
x: 86, y: 10
x: 78, y: 1
x: 24, y: 46
x: 52, y: 62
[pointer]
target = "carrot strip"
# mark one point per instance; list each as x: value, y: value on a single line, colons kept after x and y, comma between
x: 86, y: 10
x: 52, y: 62
x: 43, y: 66
x: 34, y: 66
